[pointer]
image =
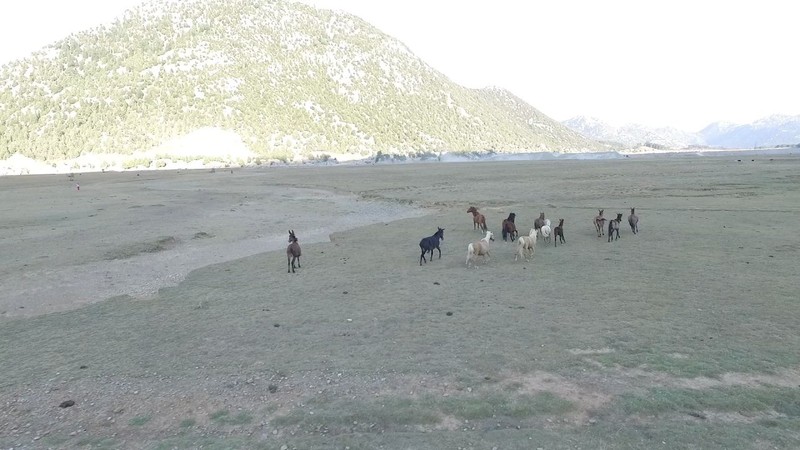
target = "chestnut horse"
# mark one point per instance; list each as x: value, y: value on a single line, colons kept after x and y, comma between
x: 478, y: 219
x: 509, y: 229
x: 292, y: 253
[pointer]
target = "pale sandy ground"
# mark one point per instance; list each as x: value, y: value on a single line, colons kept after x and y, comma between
x: 63, y: 248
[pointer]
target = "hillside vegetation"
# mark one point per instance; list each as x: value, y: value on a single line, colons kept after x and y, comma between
x: 288, y: 79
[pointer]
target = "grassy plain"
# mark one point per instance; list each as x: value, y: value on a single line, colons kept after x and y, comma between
x: 684, y: 336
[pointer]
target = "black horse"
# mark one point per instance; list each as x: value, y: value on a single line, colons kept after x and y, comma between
x: 431, y: 243
x: 509, y: 229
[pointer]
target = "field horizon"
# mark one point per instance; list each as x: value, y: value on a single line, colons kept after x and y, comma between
x: 160, y: 305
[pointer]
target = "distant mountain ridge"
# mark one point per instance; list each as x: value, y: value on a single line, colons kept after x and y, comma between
x: 770, y: 131
x: 291, y: 81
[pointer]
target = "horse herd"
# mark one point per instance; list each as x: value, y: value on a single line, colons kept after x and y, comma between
x: 526, y: 245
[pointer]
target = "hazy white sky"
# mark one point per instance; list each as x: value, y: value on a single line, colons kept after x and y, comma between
x: 682, y: 63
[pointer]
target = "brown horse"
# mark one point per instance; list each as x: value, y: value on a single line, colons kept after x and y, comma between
x: 292, y: 253
x: 538, y: 222
x: 599, y: 222
x: 558, y: 232
x: 613, y: 227
x: 509, y: 229
x: 478, y: 219
x: 633, y: 221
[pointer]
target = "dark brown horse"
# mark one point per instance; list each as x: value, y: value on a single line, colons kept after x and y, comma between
x: 613, y: 227
x: 599, y: 222
x: 292, y: 253
x: 558, y: 232
x: 509, y: 229
x: 478, y: 219
x: 633, y: 221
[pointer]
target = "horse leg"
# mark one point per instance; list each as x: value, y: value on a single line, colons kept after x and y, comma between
x: 422, y: 257
x: 440, y: 252
x: 288, y: 264
x: 298, y: 263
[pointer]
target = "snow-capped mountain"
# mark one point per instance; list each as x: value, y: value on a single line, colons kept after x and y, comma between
x: 766, y: 132
x: 632, y: 135
x: 769, y: 131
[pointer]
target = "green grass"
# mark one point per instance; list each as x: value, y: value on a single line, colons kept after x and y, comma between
x: 737, y: 399
x: 224, y: 417
x: 504, y: 405
x: 139, y: 420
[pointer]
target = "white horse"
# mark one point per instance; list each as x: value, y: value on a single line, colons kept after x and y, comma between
x: 479, y: 248
x: 545, y: 230
x: 526, y: 245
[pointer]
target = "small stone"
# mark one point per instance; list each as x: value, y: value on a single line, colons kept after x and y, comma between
x: 67, y: 404
x: 272, y: 388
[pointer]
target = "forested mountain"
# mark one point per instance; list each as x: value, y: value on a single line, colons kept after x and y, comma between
x: 288, y: 79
